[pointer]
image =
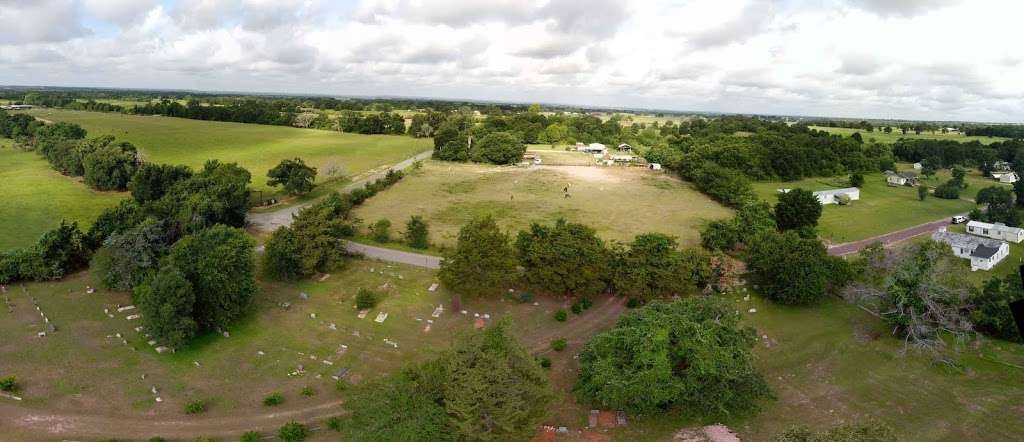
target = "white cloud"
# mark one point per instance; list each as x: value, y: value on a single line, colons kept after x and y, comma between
x: 863, y: 58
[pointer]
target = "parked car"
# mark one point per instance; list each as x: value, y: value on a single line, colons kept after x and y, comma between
x: 959, y: 219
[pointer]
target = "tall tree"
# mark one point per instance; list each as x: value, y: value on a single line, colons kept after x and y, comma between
x: 166, y: 301
x: 219, y: 263
x: 652, y: 267
x: 566, y: 258
x: 797, y: 208
x: 482, y: 262
x: 294, y: 175
x: 794, y: 270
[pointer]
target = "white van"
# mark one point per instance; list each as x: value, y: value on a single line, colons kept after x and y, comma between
x: 959, y: 219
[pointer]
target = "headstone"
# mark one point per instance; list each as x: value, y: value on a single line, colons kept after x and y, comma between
x: 362, y: 313
x: 620, y: 418
x: 333, y: 326
x: 464, y: 312
x: 433, y: 287
x: 342, y: 373
x: 381, y: 317
x: 41, y: 334
x: 487, y: 316
x: 753, y: 310
x: 162, y: 349
x: 226, y: 334
x: 138, y: 329
x: 426, y: 329
x: 563, y: 430
x: 132, y: 317
x: 437, y: 311
x: 324, y: 278
x: 260, y: 352
x: 312, y: 316
x: 158, y: 399
x: 592, y: 419
x: 303, y: 295
x: 126, y: 308
x: 326, y: 362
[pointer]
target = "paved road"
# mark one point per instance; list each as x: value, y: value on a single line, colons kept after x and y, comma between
x: 392, y: 255
x: 888, y: 238
x: 268, y: 221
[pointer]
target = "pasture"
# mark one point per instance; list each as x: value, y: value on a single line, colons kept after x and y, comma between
x: 36, y: 198
x: 881, y: 208
x: 258, y: 148
x: 618, y: 202
x: 895, y: 135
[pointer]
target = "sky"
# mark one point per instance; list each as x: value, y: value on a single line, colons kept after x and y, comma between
x: 893, y: 59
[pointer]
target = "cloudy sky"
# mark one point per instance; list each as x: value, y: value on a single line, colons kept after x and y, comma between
x: 922, y: 59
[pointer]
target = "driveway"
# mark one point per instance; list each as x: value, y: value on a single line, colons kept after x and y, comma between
x: 889, y: 238
x: 268, y: 221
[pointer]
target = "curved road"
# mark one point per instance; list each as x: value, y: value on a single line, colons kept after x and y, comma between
x: 268, y: 221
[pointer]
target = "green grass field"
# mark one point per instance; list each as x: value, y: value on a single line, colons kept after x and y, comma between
x: 36, y: 198
x: 618, y: 202
x: 258, y: 148
x: 894, y: 136
x: 827, y: 365
x: 881, y: 208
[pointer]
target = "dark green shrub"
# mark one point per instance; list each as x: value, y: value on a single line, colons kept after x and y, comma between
x: 273, y: 400
x: 195, y: 407
x: 366, y: 299
x: 545, y: 362
x: 576, y: 308
x: 561, y: 315
x: 308, y: 392
x: 293, y: 432
x: 251, y: 436
x: 558, y: 344
x: 9, y: 384
x: 380, y: 231
x: 333, y: 423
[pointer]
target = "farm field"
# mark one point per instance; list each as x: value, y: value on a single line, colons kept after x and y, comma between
x: 618, y: 202
x: 258, y: 148
x: 36, y: 198
x: 894, y: 136
x: 881, y: 208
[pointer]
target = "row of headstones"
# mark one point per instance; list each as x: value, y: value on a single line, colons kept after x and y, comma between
x: 7, y: 299
x: 46, y: 320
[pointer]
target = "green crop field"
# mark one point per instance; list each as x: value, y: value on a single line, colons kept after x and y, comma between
x: 618, y: 202
x: 881, y: 208
x: 258, y: 148
x: 895, y: 135
x: 36, y: 198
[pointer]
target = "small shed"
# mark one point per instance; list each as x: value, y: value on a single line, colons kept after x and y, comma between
x: 625, y: 147
x: 654, y: 166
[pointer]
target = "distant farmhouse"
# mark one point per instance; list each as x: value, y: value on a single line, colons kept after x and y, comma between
x: 625, y: 147
x: 1002, y: 166
x: 1006, y: 177
x: 901, y: 179
x: 996, y: 231
x: 836, y: 196
x: 982, y: 252
x: 16, y: 107
x: 595, y: 148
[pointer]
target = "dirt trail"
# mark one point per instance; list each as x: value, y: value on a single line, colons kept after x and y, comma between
x: 599, y: 317
x: 889, y: 238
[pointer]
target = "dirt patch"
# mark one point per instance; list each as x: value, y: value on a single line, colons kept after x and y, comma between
x: 589, y: 173
x: 710, y: 433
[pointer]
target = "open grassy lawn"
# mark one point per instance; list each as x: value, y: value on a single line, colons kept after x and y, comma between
x: 84, y: 367
x: 258, y: 148
x: 827, y: 365
x: 618, y: 202
x: 881, y: 208
x: 36, y: 198
x: 895, y: 135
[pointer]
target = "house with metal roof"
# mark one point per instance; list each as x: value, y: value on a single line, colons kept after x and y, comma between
x: 996, y: 231
x: 983, y: 253
x: 836, y: 196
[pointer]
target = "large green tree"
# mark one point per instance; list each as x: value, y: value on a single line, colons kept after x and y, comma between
x: 110, y: 167
x: 219, y: 263
x: 152, y: 181
x: 566, y: 258
x: 691, y: 356
x: 219, y: 194
x: 294, y: 175
x: 482, y: 261
x: 991, y: 312
x: 166, y: 302
x: 497, y: 148
x: 653, y: 267
x: 282, y: 256
x: 129, y: 257
x: 797, y: 208
x: 794, y: 270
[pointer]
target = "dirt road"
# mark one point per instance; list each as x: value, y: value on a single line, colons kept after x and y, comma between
x: 888, y: 238
x: 268, y: 221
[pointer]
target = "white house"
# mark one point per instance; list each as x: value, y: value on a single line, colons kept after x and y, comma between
x: 835, y: 196
x: 625, y: 147
x: 1002, y: 166
x: 593, y: 148
x: 1005, y: 177
x: 982, y: 252
x: 622, y: 158
x: 996, y: 231
x: 901, y: 179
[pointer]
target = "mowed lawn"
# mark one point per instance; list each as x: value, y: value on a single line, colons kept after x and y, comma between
x: 881, y: 208
x: 895, y: 135
x: 618, y: 202
x: 256, y: 147
x: 36, y: 198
